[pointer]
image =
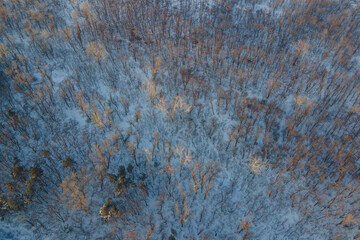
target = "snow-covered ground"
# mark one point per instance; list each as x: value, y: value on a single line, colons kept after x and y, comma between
x: 249, y: 130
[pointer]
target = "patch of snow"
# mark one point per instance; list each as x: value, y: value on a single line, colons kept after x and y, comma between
x: 58, y: 75
x: 291, y: 218
x: 262, y: 6
x: 76, y: 115
x: 104, y: 90
x: 8, y: 232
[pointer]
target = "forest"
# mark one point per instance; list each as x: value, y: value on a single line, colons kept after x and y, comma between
x: 185, y: 119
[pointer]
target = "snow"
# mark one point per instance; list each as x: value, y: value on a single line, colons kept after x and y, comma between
x: 77, y: 116
x: 236, y: 193
x: 291, y: 218
x: 15, y: 232
x: 58, y: 75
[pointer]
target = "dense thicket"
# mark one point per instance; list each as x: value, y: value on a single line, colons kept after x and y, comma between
x: 190, y: 119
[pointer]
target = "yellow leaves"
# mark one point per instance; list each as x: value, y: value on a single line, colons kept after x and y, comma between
x: 148, y: 154
x: 74, y: 3
x: 79, y: 97
x: 324, y: 34
x: 302, y: 48
x: 38, y: 95
x: 184, y: 154
x: 149, y: 232
x: 339, y: 236
x: 303, y: 100
x: 355, y: 109
x: 102, y: 156
x: 96, y: 51
x: 183, y: 194
x: 203, y: 176
x: 19, y: 74
x: 45, y: 34
x: 96, y: 117
x: 124, y: 103
x: 66, y: 34
x: 85, y: 9
x: 156, y: 140
x: 52, y: 24
x: 271, y: 86
x: 162, y: 105
x: 88, y: 14
x: 73, y: 187
x: 151, y: 89
x: 256, y: 165
x: 99, y: 155
x: 182, y: 208
x: 3, y: 12
x: 176, y: 104
x: 28, y: 29
x: 3, y: 51
x: 137, y: 115
x: 131, y: 147
x: 154, y: 70
x: 273, y: 83
x: 158, y: 62
x: 349, y: 219
x: 195, y: 185
x: 245, y: 224
x: 38, y: 17
x: 100, y: 117
x: 300, y: 100
x: 132, y: 150
x: 74, y: 14
x: 168, y: 169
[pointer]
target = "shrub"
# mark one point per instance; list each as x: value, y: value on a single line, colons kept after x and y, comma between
x: 11, y: 186
x: 68, y: 162
x: 35, y: 173
x: 17, y: 171
x: 14, y: 204
x: 30, y: 188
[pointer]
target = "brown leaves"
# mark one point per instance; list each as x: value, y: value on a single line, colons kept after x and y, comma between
x: 256, y: 165
x: 349, y: 219
x: 73, y: 187
x: 176, y: 105
x: 203, y: 176
x: 151, y: 89
x: 96, y: 51
x: 182, y: 208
